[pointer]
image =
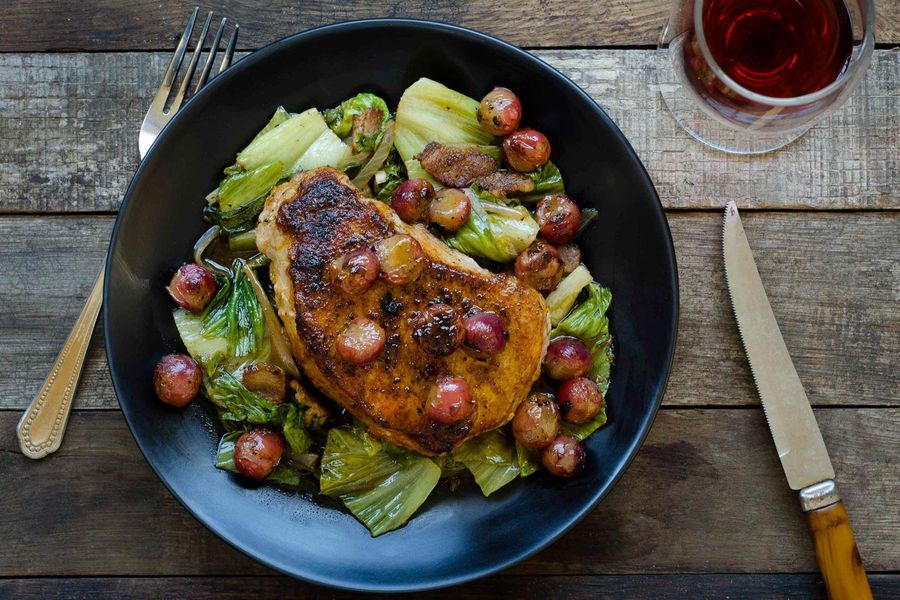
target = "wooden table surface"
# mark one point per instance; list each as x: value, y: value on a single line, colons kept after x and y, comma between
x: 703, y: 512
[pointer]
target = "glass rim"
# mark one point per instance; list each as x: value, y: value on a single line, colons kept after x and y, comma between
x: 865, y: 49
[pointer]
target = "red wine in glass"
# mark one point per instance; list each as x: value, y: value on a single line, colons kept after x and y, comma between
x: 750, y: 76
x: 776, y: 48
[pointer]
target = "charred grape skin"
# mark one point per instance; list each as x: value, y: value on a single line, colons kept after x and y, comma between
x: 450, y: 401
x: 485, y: 333
x: 570, y: 254
x: 401, y: 258
x: 536, y: 422
x: 450, y: 209
x: 361, y: 341
x: 566, y: 357
x: 355, y: 272
x: 412, y: 199
x: 564, y: 457
x: 539, y: 266
x: 439, y: 330
x: 176, y: 379
x: 558, y: 218
x: 526, y: 149
x: 499, y: 112
x: 579, y: 400
x: 192, y: 287
x: 257, y: 453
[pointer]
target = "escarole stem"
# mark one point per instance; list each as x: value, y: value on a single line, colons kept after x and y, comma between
x: 281, y: 350
x: 378, y: 157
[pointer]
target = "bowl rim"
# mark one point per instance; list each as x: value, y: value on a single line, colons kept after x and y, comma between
x: 249, y: 62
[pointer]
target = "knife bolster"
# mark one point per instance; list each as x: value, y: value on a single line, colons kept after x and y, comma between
x: 819, y: 495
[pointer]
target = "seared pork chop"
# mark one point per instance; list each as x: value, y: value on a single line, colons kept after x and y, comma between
x: 318, y: 216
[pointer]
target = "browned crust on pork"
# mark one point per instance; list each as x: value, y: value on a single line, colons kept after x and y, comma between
x: 318, y: 216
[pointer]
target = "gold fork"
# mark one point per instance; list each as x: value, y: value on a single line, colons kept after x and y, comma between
x: 41, y: 428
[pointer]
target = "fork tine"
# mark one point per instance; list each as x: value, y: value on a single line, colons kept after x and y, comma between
x: 192, y: 66
x: 165, y: 87
x: 229, y: 51
x: 213, y: 49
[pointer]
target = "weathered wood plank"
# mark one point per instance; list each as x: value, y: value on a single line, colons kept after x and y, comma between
x: 834, y: 281
x: 114, y: 25
x: 69, y: 124
x: 805, y: 586
x: 704, y: 495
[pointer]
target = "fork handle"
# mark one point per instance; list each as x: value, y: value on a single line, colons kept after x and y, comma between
x: 41, y: 428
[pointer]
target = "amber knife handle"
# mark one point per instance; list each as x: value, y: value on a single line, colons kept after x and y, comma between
x: 836, y: 552
x: 41, y: 428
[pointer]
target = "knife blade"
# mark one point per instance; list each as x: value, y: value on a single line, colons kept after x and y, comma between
x: 792, y: 423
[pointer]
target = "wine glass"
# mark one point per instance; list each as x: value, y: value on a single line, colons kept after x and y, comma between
x: 749, y: 76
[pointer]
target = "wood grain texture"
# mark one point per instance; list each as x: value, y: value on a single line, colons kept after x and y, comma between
x: 69, y: 126
x: 35, y: 25
x: 683, y: 505
x: 837, y: 554
x: 589, y: 587
x: 833, y: 280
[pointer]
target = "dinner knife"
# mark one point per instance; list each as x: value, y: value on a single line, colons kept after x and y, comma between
x: 792, y: 423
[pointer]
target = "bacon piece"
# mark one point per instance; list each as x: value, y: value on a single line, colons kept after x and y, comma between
x: 455, y: 166
x: 503, y: 183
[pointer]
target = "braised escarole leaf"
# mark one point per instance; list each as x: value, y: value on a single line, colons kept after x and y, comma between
x: 497, y: 237
x: 529, y: 460
x: 284, y: 143
x: 295, y: 434
x: 561, y: 299
x: 340, y: 118
x: 581, y: 432
x: 588, y: 322
x: 547, y: 180
x: 588, y: 319
x: 382, y: 485
x: 389, y: 177
x: 240, y: 189
x: 431, y: 112
x: 235, y: 314
x: 237, y: 404
x: 491, y: 458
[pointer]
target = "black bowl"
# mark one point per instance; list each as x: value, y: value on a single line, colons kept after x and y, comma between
x: 456, y: 536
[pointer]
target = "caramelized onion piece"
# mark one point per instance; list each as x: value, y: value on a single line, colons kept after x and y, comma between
x: 267, y: 380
